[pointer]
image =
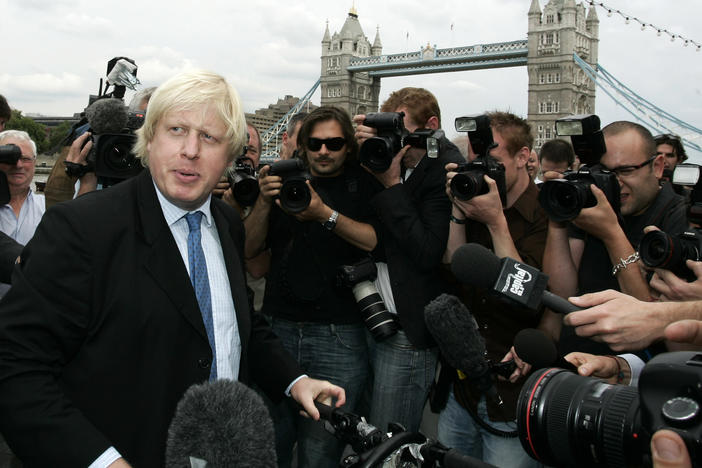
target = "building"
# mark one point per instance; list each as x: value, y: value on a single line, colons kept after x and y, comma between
x: 266, y: 117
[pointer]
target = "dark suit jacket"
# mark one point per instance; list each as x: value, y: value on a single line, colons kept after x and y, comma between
x: 413, y: 231
x: 101, y: 334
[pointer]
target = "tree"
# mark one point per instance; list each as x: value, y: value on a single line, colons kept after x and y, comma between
x: 57, y: 135
x: 36, y: 130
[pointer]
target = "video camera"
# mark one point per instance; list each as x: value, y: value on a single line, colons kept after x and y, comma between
x: 9, y: 154
x: 661, y: 250
x: 294, y: 194
x: 565, y: 419
x: 359, y: 277
x: 377, y: 152
x: 562, y: 199
x: 468, y: 181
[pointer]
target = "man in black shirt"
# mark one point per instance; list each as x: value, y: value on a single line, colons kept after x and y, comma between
x: 317, y: 320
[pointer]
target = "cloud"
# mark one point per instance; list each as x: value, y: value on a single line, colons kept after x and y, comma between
x: 43, y: 84
x: 83, y: 24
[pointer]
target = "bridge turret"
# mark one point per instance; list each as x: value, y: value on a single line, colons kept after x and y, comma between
x: 377, y: 48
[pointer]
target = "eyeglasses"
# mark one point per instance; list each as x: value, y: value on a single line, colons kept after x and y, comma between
x: 625, y: 171
x: 332, y: 144
x: 26, y: 160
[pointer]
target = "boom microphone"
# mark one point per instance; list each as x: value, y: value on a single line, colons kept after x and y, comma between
x: 475, y: 265
x: 221, y: 424
x: 535, y: 348
x: 107, y: 116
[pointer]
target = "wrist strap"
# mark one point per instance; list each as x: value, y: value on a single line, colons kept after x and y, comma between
x: 457, y: 220
x: 623, y: 262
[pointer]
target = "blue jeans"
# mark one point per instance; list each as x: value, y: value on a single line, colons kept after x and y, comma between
x: 337, y: 353
x: 402, y: 375
x: 458, y: 429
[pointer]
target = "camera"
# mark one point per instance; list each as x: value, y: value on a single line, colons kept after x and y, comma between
x: 562, y: 199
x: 242, y: 179
x: 9, y: 154
x: 565, y: 419
x: 294, y: 194
x: 660, y: 250
x: 468, y: 181
x: 377, y: 152
x: 359, y: 277
x: 585, y: 135
x: 687, y: 182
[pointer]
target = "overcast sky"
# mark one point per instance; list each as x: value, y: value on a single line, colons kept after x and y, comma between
x: 55, y: 51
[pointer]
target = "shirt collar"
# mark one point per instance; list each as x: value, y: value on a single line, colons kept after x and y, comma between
x: 174, y: 213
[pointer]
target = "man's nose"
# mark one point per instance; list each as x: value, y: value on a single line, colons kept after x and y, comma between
x: 191, y: 145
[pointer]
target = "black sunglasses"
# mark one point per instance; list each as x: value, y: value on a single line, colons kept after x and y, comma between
x: 332, y: 144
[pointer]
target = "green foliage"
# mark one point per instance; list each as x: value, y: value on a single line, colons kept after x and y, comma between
x: 36, y: 130
x: 57, y: 135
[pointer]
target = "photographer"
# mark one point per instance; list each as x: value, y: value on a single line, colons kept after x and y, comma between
x: 517, y: 229
x: 413, y: 210
x: 318, y: 321
x: 290, y: 145
x: 556, y: 157
x: 599, y: 254
x: 5, y: 112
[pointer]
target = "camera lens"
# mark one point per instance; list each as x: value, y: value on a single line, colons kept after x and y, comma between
x: 660, y: 250
x: 379, y: 321
x: 114, y: 157
x: 376, y: 154
x: 295, y: 195
x: 566, y: 419
x: 245, y: 190
x: 563, y: 199
x: 466, y: 185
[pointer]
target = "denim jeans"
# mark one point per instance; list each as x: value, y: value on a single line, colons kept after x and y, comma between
x: 337, y: 353
x: 401, y: 377
x: 458, y: 429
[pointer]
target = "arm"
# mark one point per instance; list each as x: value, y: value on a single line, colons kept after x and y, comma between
x: 60, y: 186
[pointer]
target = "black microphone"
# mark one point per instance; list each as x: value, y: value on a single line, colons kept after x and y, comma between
x: 223, y: 424
x: 535, y: 348
x: 107, y: 116
x: 475, y: 265
x: 455, y: 330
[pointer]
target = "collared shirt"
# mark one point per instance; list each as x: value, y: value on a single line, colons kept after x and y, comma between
x: 226, y: 332
x: 21, y: 228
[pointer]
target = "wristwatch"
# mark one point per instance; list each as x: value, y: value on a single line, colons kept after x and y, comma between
x: 330, y: 224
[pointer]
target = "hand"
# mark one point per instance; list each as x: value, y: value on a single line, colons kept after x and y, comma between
x: 221, y: 187
x: 621, y: 321
x: 590, y: 365
x: 393, y: 175
x: 670, y: 287
x: 363, y: 132
x: 600, y: 220
x: 307, y: 390
x: 228, y: 196
x: 522, y: 367
x: 78, y: 153
x: 551, y: 175
x: 119, y: 463
x: 315, y: 211
x: 269, y: 185
x: 486, y: 208
x: 685, y: 331
x: 669, y: 450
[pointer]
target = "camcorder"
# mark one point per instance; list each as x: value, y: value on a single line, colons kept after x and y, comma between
x: 294, y: 194
x: 688, y: 183
x: 660, y: 250
x: 9, y: 154
x: 359, y: 277
x: 468, y: 181
x: 565, y: 419
x: 563, y: 199
x: 377, y: 152
x: 112, y: 154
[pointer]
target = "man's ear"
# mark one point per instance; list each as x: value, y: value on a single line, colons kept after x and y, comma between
x: 432, y: 123
x: 658, y: 166
x: 522, y: 156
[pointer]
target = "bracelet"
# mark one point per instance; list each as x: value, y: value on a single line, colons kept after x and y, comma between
x: 620, y: 374
x: 624, y: 262
x: 457, y: 220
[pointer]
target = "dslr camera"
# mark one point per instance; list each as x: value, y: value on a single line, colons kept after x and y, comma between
x: 243, y: 181
x: 687, y: 182
x: 468, y: 181
x: 294, y: 195
x: 359, y: 277
x: 376, y: 153
x: 565, y: 419
x: 660, y: 250
x: 562, y: 199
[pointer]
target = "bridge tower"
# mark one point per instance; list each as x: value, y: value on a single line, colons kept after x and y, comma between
x: 357, y: 93
x: 557, y: 86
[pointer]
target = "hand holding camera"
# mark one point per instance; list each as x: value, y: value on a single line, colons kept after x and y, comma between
x: 599, y: 220
x: 485, y: 208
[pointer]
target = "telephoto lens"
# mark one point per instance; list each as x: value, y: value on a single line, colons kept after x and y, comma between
x: 661, y: 250
x: 242, y: 179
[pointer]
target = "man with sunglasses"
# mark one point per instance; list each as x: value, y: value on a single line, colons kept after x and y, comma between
x: 600, y: 253
x: 316, y: 319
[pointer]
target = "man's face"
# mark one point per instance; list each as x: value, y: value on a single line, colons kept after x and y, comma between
x: 253, y: 147
x: 188, y: 155
x: 325, y: 162
x: 413, y: 155
x: 639, y: 187
x: 668, y: 152
x: 290, y: 142
x: 533, y: 165
x: 513, y: 162
x: 20, y: 175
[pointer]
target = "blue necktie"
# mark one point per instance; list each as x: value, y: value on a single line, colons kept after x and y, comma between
x: 201, y: 282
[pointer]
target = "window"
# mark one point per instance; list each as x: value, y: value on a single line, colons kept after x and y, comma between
x: 549, y: 78
x: 541, y: 78
x: 549, y: 19
x: 541, y: 108
x: 558, y: 78
x: 541, y: 128
x: 549, y: 39
x: 549, y: 107
x: 547, y: 134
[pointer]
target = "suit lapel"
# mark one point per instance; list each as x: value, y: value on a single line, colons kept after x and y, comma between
x: 417, y: 176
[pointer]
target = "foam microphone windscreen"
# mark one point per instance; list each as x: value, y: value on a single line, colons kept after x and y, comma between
x: 475, y: 265
x: 535, y: 348
x: 224, y: 424
x: 107, y: 116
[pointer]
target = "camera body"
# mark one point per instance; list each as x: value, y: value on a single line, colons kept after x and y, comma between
x: 469, y: 182
x: 562, y: 199
x: 243, y: 181
x: 294, y: 194
x: 359, y: 277
x: 113, y: 157
x: 376, y: 153
x: 9, y: 154
x: 661, y: 250
x: 565, y: 419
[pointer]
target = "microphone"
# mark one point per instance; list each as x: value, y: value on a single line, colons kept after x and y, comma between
x: 107, y: 116
x: 221, y: 424
x: 475, y: 265
x: 455, y: 330
x: 534, y: 347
